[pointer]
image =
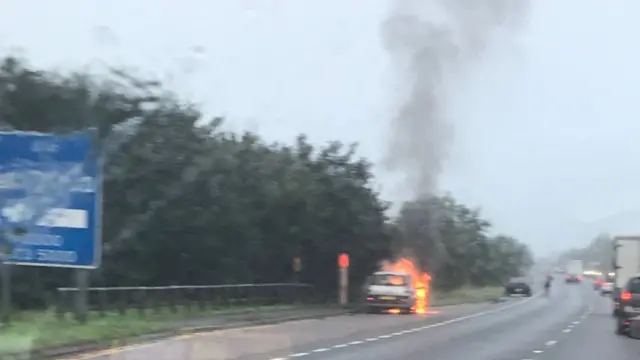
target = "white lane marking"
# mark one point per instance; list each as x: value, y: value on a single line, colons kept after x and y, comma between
x: 537, y: 351
x: 387, y: 336
x: 551, y: 343
x: 566, y: 330
x: 576, y: 322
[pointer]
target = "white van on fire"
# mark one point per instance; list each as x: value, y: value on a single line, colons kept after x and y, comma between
x: 389, y: 291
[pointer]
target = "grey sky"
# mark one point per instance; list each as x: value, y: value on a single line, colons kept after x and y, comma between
x: 544, y: 126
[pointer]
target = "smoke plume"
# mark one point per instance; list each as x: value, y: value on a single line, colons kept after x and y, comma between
x: 432, y: 43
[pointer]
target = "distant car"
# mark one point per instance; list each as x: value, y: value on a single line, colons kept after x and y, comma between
x: 597, y: 284
x: 388, y: 290
x: 572, y: 278
x: 518, y: 286
x: 627, y: 305
x: 606, y: 288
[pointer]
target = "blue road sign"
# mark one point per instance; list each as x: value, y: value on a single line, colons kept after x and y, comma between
x: 50, y: 199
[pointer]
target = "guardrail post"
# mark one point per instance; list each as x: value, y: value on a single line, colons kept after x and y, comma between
x: 172, y: 300
x: 158, y: 301
x: 61, y: 304
x: 141, y: 301
x: 201, y: 297
x: 188, y: 297
x: 102, y: 302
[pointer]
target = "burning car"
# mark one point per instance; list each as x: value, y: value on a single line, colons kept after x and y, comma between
x: 390, y: 291
x: 398, y: 288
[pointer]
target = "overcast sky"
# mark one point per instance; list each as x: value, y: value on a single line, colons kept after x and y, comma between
x: 546, y: 135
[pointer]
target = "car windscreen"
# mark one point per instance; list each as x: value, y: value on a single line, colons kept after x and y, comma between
x: 389, y: 280
x: 634, y: 285
x: 518, y: 280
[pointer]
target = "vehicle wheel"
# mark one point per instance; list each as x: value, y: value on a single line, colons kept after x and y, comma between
x: 619, y: 328
x: 405, y: 311
x: 372, y: 310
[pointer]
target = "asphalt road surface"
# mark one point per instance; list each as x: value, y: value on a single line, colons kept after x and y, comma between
x: 574, y: 322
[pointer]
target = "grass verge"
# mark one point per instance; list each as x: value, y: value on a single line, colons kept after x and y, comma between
x: 466, y: 295
x: 42, y: 330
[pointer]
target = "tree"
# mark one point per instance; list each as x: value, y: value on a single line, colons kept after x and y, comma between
x: 451, y: 241
x: 188, y: 203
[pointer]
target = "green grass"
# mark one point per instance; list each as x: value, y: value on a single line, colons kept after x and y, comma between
x: 39, y: 330
x: 466, y: 295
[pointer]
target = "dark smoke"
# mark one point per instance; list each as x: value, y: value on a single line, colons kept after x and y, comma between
x: 432, y: 44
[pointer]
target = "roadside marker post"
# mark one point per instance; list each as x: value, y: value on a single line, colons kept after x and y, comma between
x: 343, y: 278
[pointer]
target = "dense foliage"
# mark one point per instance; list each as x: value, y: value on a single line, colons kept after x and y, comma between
x: 188, y: 203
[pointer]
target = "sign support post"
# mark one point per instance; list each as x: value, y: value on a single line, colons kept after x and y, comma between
x: 5, y: 272
x: 343, y: 279
x: 82, y: 296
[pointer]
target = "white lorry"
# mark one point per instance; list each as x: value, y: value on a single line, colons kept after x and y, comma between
x: 626, y: 290
x: 574, y: 272
x: 626, y: 260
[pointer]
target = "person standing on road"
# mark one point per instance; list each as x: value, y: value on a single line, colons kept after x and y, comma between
x: 547, y: 284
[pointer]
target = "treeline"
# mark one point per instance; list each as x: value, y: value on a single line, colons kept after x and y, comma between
x: 188, y: 203
x: 600, y: 250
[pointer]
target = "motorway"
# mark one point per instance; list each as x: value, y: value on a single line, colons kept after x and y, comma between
x: 574, y: 322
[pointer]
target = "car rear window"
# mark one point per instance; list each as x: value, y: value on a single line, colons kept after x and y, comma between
x: 518, y: 280
x: 634, y: 285
x: 389, y: 280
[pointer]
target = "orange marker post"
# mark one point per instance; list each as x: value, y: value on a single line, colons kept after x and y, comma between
x: 343, y: 278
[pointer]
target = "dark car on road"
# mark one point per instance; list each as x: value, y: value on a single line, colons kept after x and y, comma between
x: 518, y: 286
x: 627, y: 304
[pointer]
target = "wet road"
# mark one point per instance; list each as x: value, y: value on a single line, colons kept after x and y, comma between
x: 572, y: 323
x: 594, y: 339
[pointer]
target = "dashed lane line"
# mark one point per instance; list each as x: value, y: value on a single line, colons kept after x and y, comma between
x: 408, y: 331
x: 549, y: 343
x: 566, y: 330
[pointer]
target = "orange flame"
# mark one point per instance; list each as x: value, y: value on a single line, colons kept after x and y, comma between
x: 421, y: 281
